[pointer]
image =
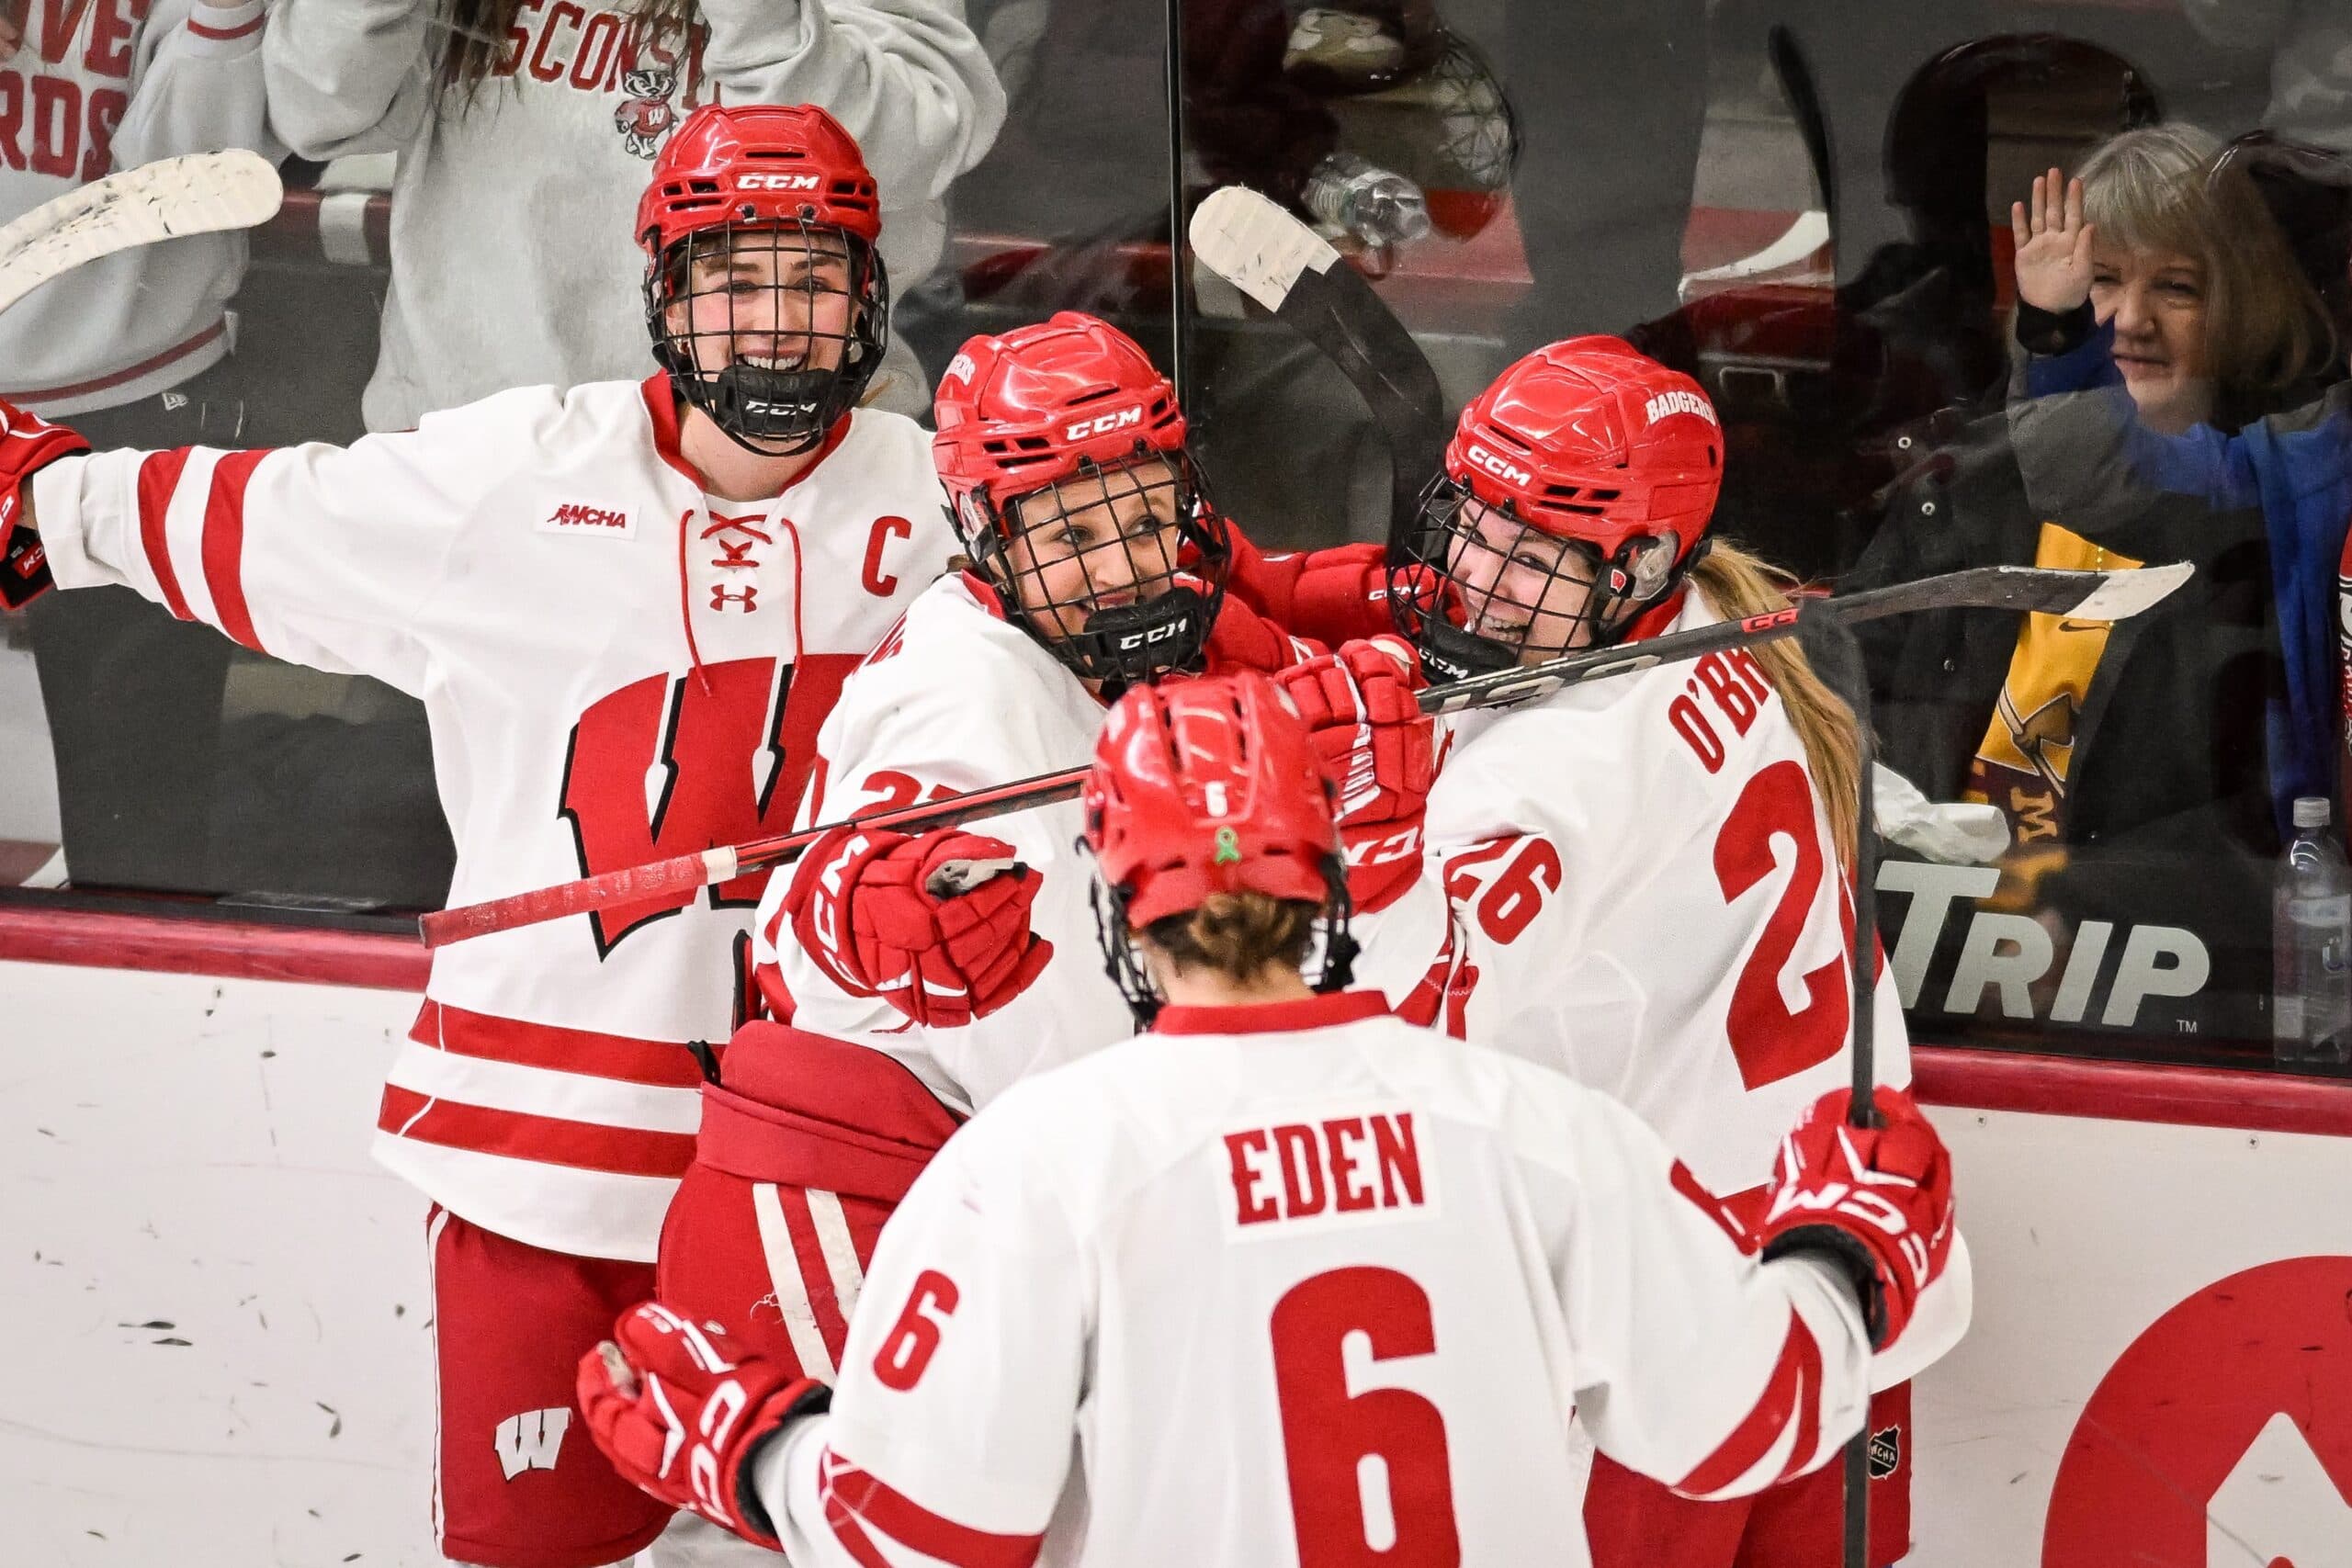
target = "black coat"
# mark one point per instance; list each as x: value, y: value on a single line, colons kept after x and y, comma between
x: 2169, y: 751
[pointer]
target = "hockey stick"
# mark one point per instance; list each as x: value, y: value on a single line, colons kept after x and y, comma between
x: 2090, y: 595
x: 1255, y: 244
x: 202, y: 192
x: 1836, y: 658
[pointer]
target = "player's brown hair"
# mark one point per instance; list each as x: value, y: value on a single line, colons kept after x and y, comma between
x: 476, y: 36
x: 1739, y: 585
x: 1238, y: 935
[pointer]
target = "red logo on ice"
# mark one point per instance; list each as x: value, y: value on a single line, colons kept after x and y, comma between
x: 2217, y: 1427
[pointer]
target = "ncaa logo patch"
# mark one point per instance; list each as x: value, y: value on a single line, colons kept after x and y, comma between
x: 1886, y: 1452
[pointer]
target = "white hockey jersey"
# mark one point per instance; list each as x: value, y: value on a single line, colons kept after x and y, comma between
x: 958, y: 698
x: 1301, y: 1283
x: 1646, y: 897
x: 108, y: 85
x: 1646, y: 888
x: 617, y: 669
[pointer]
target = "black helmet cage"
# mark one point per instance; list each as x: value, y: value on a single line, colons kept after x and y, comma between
x: 1168, y: 627
x: 1435, y: 608
x: 1332, y: 960
x: 775, y: 412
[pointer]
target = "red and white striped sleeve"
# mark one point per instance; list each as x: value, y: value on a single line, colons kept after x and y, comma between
x: 953, y: 1423
x: 1696, y: 1365
x: 320, y: 555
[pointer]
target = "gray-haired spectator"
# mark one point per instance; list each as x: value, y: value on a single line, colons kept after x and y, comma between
x: 524, y: 132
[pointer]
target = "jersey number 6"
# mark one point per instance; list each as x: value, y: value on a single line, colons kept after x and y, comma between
x: 1368, y: 1479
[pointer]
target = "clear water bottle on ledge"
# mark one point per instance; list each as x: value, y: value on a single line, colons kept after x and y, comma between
x: 2310, y: 936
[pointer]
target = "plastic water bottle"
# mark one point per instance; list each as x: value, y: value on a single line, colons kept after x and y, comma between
x: 2310, y: 936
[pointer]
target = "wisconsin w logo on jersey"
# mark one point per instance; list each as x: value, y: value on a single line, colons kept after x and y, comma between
x: 674, y: 765
x: 531, y: 1440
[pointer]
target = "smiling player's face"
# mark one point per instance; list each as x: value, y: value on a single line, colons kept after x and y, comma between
x: 1095, y: 541
x: 1519, y: 586
x: 774, y: 299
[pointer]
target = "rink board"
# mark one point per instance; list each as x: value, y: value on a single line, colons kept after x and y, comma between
x: 221, y: 1313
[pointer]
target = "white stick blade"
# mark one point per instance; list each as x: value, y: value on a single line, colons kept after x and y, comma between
x: 201, y: 193
x: 2125, y: 594
x: 1255, y: 244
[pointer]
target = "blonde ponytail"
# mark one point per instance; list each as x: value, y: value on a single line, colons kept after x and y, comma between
x: 1739, y: 585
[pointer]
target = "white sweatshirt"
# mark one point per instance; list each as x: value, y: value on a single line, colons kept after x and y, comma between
x: 92, y: 89
x: 513, y: 260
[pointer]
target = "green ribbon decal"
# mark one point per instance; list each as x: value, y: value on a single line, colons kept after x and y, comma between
x: 1228, y: 847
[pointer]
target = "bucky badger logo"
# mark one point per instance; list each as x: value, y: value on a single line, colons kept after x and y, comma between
x: 645, y: 117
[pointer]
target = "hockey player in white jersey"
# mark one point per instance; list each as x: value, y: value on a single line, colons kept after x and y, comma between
x: 1649, y: 873
x: 1286, y: 1280
x: 626, y: 608
x: 1094, y: 563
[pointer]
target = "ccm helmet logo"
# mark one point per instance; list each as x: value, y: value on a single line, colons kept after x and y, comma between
x: 1085, y: 429
x: 1499, y: 467
x: 777, y: 182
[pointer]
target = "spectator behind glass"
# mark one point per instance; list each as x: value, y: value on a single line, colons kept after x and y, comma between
x: 2150, y: 735
x: 2233, y: 417
x: 524, y: 134
x: 135, y: 348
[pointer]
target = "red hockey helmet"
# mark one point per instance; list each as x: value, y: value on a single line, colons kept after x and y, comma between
x: 1588, y: 441
x: 733, y: 184
x: 1056, y: 418
x: 1209, y: 786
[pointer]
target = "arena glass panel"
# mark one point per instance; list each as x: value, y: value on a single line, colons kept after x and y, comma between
x: 143, y: 759
x: 1808, y: 207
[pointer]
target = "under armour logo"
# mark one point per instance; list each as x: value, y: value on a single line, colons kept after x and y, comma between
x: 747, y: 596
x: 531, y: 1440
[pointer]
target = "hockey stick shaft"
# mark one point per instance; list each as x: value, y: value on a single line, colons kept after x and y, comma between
x: 2096, y: 594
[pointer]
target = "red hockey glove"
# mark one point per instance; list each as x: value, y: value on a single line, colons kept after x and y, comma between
x: 1330, y: 595
x: 27, y: 443
x: 1244, y: 639
x: 1877, y: 1198
x: 1379, y: 748
x: 882, y: 913
x: 679, y: 1408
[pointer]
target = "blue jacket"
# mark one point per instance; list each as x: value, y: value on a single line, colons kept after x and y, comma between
x: 2297, y: 468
